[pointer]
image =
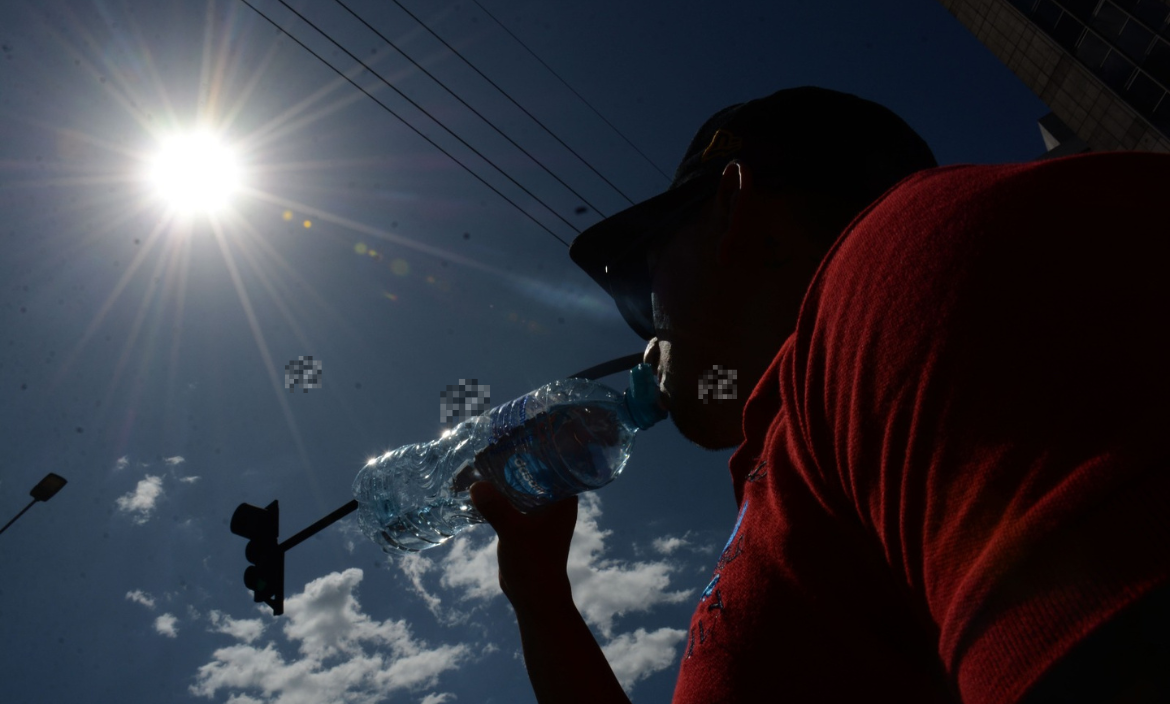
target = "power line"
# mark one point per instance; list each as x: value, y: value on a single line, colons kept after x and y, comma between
x: 505, y: 94
x: 412, y: 127
x: 462, y: 141
x: 566, y: 84
x: 464, y: 102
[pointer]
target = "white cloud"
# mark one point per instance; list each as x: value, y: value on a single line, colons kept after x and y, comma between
x: 668, y: 545
x: 414, y: 566
x: 141, y: 597
x: 246, y: 630
x: 604, y: 589
x: 367, y: 659
x: 472, y: 568
x: 327, y: 619
x: 421, y: 669
x: 437, y: 698
x: 139, y: 504
x: 635, y: 656
x: 174, y: 461
x: 189, y: 480
x: 122, y: 462
x: 165, y: 625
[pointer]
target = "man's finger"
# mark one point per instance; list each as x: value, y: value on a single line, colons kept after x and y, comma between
x: 493, y: 506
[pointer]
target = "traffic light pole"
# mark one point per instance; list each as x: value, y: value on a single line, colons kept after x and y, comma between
x: 319, y: 526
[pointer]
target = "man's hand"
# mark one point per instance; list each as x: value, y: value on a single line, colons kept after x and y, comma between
x: 534, y: 548
x: 565, y: 664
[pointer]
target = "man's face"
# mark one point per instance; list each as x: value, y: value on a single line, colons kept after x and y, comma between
x: 726, y: 290
x: 696, y: 322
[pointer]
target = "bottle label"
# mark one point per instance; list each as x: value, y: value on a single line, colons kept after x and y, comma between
x: 522, y: 449
x: 510, y: 416
x: 521, y: 476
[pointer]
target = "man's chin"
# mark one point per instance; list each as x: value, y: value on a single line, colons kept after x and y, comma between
x: 710, y: 431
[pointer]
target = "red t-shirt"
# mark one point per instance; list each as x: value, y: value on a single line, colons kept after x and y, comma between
x: 957, y: 465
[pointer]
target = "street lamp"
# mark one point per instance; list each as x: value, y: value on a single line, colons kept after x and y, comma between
x: 43, y: 491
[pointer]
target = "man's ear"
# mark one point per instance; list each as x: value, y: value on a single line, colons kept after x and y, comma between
x: 734, y: 195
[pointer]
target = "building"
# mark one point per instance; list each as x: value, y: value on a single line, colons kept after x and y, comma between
x: 1101, y: 66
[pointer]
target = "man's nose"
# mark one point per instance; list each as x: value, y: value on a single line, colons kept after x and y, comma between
x: 650, y: 356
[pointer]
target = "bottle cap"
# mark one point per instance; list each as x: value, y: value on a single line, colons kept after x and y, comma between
x: 643, y: 399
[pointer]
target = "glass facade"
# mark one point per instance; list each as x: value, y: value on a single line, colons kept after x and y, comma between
x: 1154, y: 14
x: 1092, y: 51
x: 1117, y: 71
x: 1144, y: 94
x: 1024, y: 6
x: 1135, y: 40
x: 1109, y: 19
x: 1124, y: 42
x: 1157, y: 62
x: 1068, y: 30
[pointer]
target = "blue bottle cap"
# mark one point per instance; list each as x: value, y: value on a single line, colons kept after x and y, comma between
x: 643, y: 397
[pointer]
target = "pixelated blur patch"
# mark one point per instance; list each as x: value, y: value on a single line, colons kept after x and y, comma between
x: 464, y: 400
x: 303, y: 371
x: 718, y: 382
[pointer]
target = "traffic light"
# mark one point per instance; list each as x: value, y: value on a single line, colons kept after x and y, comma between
x: 265, y: 577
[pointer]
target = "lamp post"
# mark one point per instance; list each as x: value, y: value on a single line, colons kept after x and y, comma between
x: 43, y: 491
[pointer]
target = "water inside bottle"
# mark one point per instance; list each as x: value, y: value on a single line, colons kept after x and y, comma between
x: 569, y: 449
x: 433, y: 525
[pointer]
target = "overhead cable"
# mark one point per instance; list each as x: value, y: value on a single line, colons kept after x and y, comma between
x: 566, y: 84
x: 464, y: 102
x: 423, y: 110
x: 505, y: 94
x: 415, y: 129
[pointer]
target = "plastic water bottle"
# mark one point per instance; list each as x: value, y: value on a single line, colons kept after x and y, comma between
x: 567, y: 437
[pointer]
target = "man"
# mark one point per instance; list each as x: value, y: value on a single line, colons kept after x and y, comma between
x: 951, y: 470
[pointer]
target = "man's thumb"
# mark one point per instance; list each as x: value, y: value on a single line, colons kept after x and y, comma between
x: 491, y: 504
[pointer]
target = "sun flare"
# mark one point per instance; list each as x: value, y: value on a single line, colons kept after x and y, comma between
x: 195, y: 173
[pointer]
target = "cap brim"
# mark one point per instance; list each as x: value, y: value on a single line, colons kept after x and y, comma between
x: 612, y: 251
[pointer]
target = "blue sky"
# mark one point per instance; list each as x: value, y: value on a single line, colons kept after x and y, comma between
x: 142, y: 358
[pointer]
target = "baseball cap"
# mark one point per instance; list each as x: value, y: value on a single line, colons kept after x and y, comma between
x: 805, y: 137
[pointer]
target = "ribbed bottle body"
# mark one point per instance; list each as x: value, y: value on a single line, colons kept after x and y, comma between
x: 566, y: 437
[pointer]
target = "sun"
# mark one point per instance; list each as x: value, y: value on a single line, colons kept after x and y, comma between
x: 195, y: 173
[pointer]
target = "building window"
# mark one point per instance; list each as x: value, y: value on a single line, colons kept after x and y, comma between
x: 1109, y: 20
x: 1068, y: 31
x: 1161, y: 117
x: 1157, y: 62
x: 1153, y: 13
x: 1024, y: 6
x: 1134, y: 40
x: 1083, y: 9
x: 1116, y: 71
x: 1047, y: 15
x: 1144, y: 94
x: 1092, y: 51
